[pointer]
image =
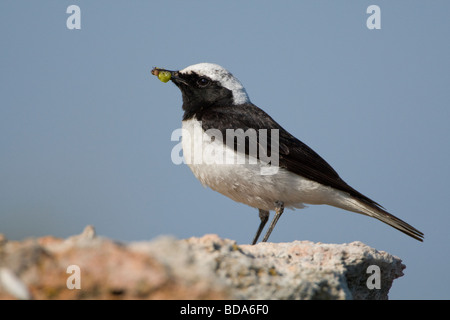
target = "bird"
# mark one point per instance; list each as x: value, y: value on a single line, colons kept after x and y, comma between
x: 217, y: 105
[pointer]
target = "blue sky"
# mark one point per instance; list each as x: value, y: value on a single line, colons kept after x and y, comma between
x: 85, y: 129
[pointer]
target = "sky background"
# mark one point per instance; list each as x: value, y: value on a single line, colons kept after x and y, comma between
x: 85, y: 128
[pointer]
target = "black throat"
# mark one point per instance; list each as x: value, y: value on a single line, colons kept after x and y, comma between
x: 198, y: 98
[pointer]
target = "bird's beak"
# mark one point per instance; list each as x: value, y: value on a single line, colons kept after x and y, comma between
x: 166, y: 75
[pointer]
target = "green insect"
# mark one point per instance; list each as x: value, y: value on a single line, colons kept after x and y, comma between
x: 162, y: 75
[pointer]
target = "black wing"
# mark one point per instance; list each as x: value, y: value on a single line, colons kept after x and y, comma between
x: 294, y: 155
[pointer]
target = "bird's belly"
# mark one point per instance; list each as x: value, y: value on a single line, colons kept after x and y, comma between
x: 241, y: 178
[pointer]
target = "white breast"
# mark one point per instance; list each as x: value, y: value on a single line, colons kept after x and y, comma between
x: 242, y: 181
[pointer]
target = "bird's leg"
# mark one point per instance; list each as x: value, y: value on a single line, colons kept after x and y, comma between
x: 263, y: 216
x: 279, y: 208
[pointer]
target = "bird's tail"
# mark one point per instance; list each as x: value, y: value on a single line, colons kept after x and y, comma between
x: 373, y: 209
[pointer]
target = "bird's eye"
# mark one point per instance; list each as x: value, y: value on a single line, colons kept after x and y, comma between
x: 203, y: 82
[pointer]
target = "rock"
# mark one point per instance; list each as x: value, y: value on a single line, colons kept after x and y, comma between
x: 196, y: 268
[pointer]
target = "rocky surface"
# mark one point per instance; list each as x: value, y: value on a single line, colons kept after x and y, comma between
x: 90, y: 267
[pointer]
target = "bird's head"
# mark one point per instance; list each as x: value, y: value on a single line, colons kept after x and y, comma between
x: 204, y: 85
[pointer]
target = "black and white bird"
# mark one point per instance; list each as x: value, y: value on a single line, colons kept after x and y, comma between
x: 215, y: 101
